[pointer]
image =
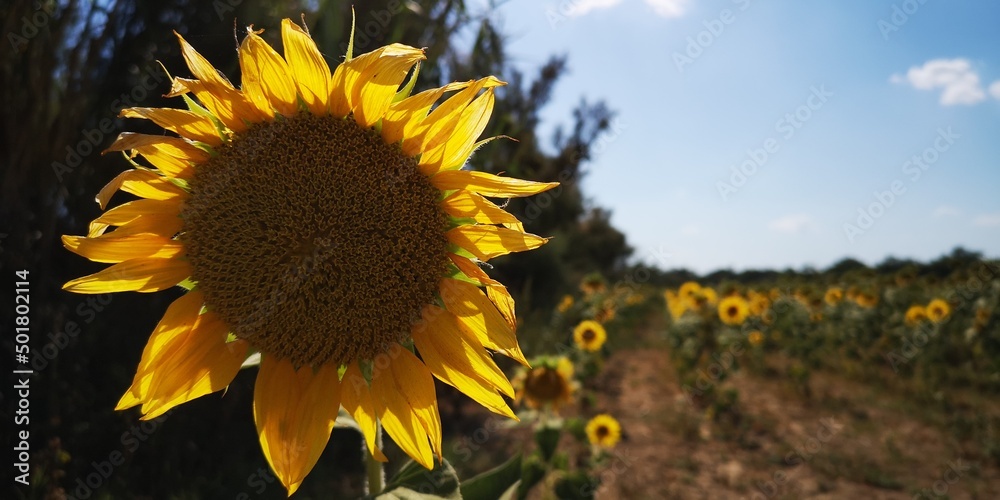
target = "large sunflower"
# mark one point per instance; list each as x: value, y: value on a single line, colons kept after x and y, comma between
x: 322, y: 220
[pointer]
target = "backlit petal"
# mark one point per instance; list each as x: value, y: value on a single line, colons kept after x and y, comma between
x: 294, y: 412
x: 357, y: 400
x: 479, y: 315
x: 489, y: 184
x: 407, y: 405
x: 455, y: 356
x: 115, y: 248
x: 467, y: 204
x: 173, y: 156
x: 136, y: 275
x: 307, y: 66
x: 142, y: 183
x: 266, y: 79
x: 188, y: 124
x: 486, y: 242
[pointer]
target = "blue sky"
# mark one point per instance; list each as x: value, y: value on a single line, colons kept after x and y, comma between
x: 824, y: 105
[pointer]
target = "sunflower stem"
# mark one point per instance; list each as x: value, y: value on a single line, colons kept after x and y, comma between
x: 373, y: 468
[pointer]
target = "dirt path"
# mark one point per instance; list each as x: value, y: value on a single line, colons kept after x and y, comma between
x: 846, y: 441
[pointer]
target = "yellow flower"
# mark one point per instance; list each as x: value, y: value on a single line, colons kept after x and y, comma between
x: 675, y: 305
x: 604, y: 431
x: 759, y: 304
x: 733, y: 310
x: 320, y: 218
x: 548, y: 385
x: 589, y: 335
x: 705, y: 296
x: 592, y: 283
x: 565, y: 303
x: 915, y: 314
x: 833, y: 296
x: 605, y: 311
x: 938, y: 310
x: 866, y: 300
x: 755, y: 338
x: 688, y: 290
x: 634, y: 298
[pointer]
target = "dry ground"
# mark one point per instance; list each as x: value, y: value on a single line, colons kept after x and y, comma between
x: 847, y: 440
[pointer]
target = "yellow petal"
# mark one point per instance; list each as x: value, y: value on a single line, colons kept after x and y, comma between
x: 378, y: 70
x: 357, y: 400
x: 486, y: 242
x: 307, y: 67
x: 456, y: 357
x: 214, y: 91
x: 294, y: 412
x: 489, y: 184
x: 467, y: 204
x: 403, y: 118
x: 494, y: 289
x: 180, y: 316
x: 407, y: 405
x: 379, y: 82
x: 185, y: 123
x: 136, y: 275
x: 142, y: 183
x: 481, y: 317
x: 211, y: 372
x: 131, y: 212
x: 439, y: 125
x: 266, y: 78
x: 185, y: 358
x: 462, y: 139
x: 175, y: 157
x: 115, y: 248
x: 231, y: 107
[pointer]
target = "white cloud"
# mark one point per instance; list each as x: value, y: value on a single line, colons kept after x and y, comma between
x: 794, y: 223
x: 668, y: 8
x: 995, y: 89
x: 987, y: 220
x: 946, y: 211
x: 958, y: 81
x: 581, y: 7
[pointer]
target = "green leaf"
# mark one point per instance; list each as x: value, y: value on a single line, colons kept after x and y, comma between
x: 494, y: 483
x: 532, y: 472
x: 547, y: 438
x: 413, y: 481
x: 576, y: 485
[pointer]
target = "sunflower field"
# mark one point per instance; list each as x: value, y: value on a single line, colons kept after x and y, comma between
x: 338, y: 252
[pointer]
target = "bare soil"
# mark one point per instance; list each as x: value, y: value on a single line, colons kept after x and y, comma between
x: 844, y: 440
